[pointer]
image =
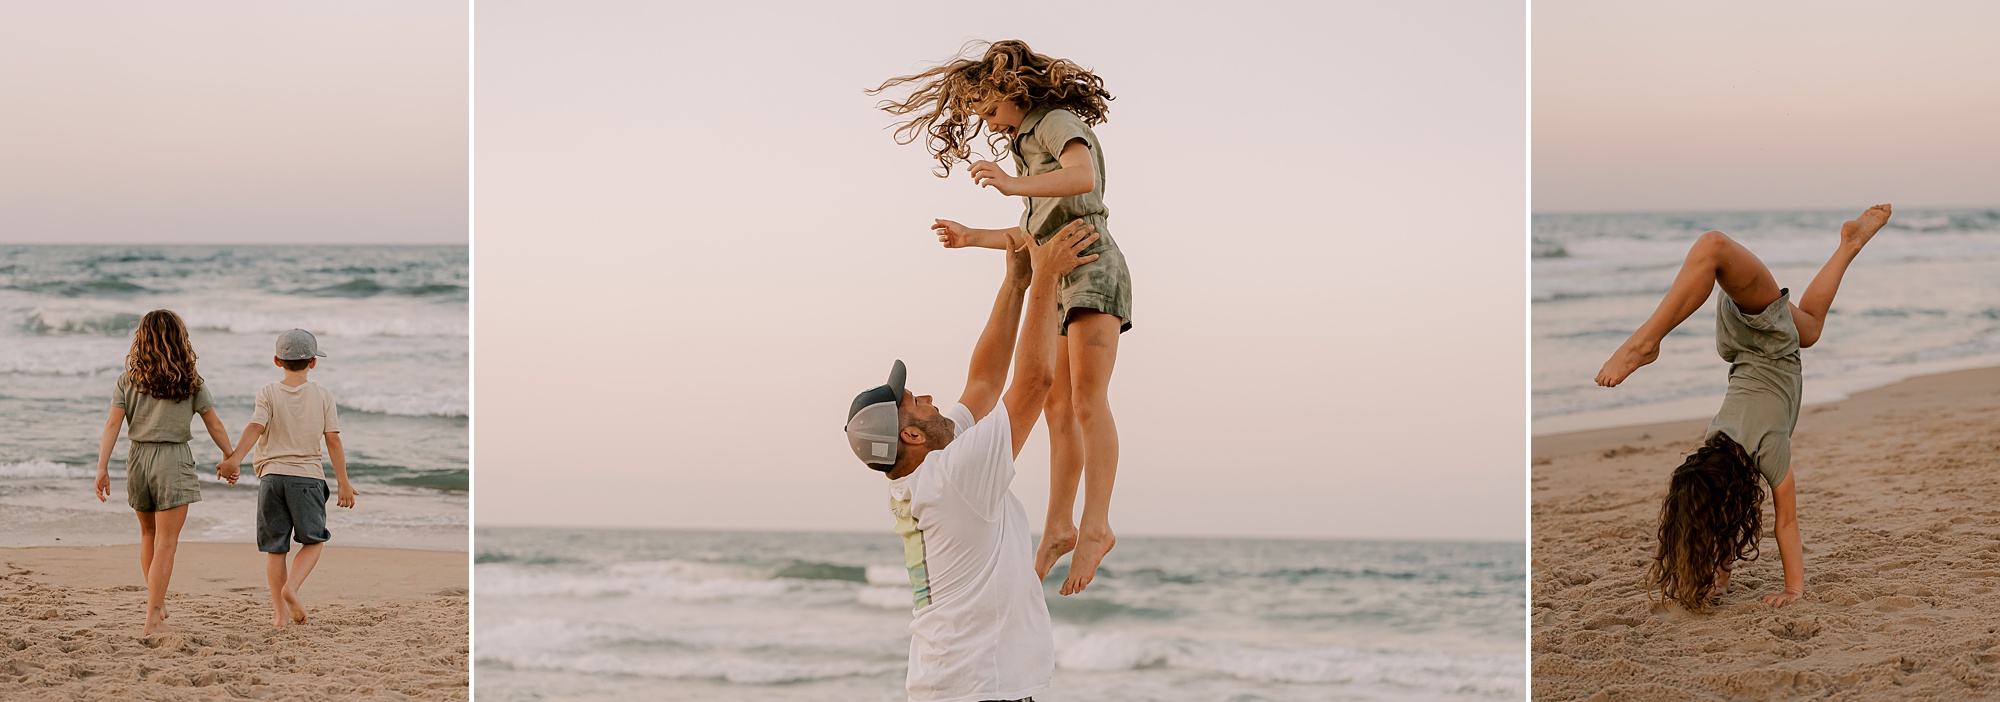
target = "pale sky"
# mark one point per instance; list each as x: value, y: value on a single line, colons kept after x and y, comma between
x: 1712, y: 105
x: 234, y: 121
x: 696, y: 241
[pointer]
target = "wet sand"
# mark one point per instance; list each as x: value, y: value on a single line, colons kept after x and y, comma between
x: 383, y: 624
x: 1899, y: 510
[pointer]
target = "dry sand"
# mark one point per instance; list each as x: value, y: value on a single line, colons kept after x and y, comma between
x: 1899, y: 509
x: 383, y: 624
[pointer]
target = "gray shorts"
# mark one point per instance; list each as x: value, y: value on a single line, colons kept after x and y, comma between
x: 160, y: 476
x: 289, y: 506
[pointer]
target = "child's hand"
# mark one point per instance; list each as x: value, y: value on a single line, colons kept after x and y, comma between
x: 346, y: 497
x: 103, y: 485
x: 952, y: 234
x: 229, y: 470
x: 1064, y: 251
x: 1783, y: 598
x: 988, y: 174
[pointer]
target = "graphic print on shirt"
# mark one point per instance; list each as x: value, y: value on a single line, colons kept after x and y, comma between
x: 913, y: 552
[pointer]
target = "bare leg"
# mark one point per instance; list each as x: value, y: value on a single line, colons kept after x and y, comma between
x: 1065, y: 467
x: 166, y: 542
x: 1714, y: 259
x: 147, y: 527
x: 301, y: 568
x: 1810, y: 313
x: 1093, y: 350
x: 274, y: 576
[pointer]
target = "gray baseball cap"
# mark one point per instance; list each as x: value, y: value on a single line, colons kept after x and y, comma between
x: 298, y: 345
x: 872, y: 422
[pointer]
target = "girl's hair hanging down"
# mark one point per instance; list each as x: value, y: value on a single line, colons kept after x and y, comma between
x: 161, y: 363
x: 942, y: 103
x: 1710, y: 519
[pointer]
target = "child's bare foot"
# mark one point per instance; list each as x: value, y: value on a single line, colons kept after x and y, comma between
x: 1856, y: 232
x: 292, y: 602
x: 1091, y: 546
x: 1057, y: 539
x: 156, y: 626
x: 278, y: 620
x: 1626, y: 359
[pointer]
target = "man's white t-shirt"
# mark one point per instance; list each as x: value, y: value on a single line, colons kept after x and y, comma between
x: 981, y: 630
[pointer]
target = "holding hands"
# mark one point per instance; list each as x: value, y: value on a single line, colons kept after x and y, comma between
x: 229, y: 469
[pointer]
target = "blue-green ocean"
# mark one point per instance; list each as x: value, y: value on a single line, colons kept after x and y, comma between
x: 735, y: 616
x: 392, y: 320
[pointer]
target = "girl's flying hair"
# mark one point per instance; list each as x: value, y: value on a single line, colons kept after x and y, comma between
x: 942, y: 105
x: 1710, y: 519
x: 161, y: 363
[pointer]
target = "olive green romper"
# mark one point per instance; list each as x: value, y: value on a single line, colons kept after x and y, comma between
x: 159, y: 466
x: 1105, y: 284
x: 1762, y: 405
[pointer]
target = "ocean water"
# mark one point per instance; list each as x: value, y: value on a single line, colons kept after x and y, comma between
x: 391, y: 319
x: 1923, y: 297
x: 773, y: 617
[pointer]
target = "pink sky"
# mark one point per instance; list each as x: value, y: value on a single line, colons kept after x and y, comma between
x: 697, y: 242
x: 210, y: 121
x: 1714, y: 105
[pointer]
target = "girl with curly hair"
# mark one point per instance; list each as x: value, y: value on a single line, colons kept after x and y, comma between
x: 1040, y: 110
x: 159, y: 395
x: 1714, y: 506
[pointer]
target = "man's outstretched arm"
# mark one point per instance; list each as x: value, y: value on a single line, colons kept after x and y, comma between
x: 1035, y: 355
x: 987, y: 373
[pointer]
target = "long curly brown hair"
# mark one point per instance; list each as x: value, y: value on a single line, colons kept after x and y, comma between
x: 1710, y: 520
x: 161, y: 363
x: 942, y: 103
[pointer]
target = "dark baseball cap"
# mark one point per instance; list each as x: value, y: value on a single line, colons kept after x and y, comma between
x: 872, y: 421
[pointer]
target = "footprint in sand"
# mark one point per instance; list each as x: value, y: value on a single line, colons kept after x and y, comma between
x: 1796, y: 630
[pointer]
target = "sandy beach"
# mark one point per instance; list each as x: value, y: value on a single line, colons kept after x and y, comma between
x: 387, y: 624
x: 1899, y: 509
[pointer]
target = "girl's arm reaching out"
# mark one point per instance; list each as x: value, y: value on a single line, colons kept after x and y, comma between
x: 104, y: 444
x: 957, y: 236
x: 1790, y: 550
x: 1075, y: 177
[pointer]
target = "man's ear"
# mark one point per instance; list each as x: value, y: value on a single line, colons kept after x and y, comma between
x: 912, y: 436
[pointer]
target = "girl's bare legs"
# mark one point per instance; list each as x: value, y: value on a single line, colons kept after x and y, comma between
x: 167, y: 525
x: 1093, y: 350
x: 1065, y: 466
x: 1714, y: 259
x: 1810, y: 313
x: 146, y: 529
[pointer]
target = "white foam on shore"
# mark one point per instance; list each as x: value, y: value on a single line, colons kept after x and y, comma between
x: 1818, y: 391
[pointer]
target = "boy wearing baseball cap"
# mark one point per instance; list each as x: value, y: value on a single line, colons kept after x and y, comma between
x: 292, y: 417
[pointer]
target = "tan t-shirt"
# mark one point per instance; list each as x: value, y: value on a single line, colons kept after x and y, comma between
x: 155, y: 420
x: 295, y: 420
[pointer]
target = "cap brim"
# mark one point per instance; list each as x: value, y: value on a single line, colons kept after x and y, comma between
x: 897, y: 374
